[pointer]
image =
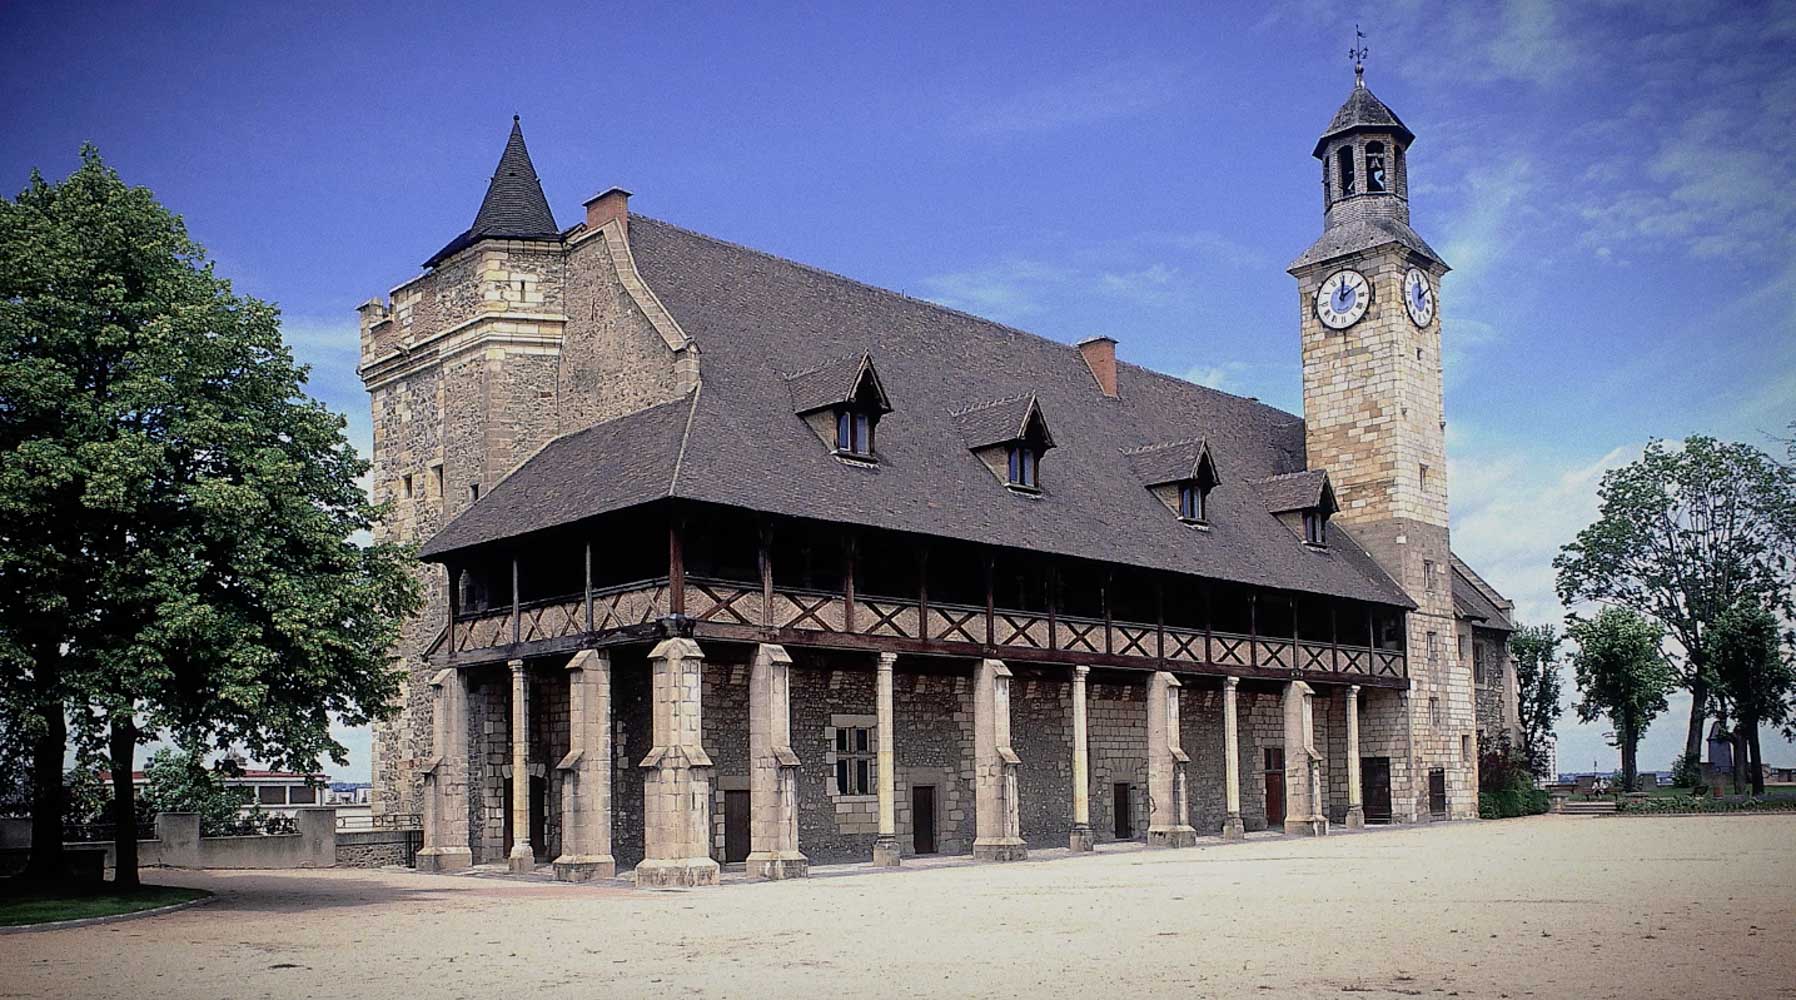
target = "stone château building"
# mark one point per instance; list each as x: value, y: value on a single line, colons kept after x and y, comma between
x: 732, y: 559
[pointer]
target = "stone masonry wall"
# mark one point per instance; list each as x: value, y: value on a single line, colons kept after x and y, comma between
x: 725, y: 693
x: 1116, y: 720
x: 1200, y: 733
x: 831, y: 827
x: 613, y: 361
x: 632, y: 737
x: 1041, y: 733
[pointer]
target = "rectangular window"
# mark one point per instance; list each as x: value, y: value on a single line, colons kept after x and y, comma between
x: 406, y: 488
x: 1434, y: 647
x: 1434, y: 711
x: 1023, y: 466
x: 271, y: 795
x: 854, y: 761
x: 1193, y: 502
x: 473, y: 492
x: 1479, y: 672
x: 1315, y: 528
x: 436, y: 472
x: 1462, y: 646
x: 1424, y: 475
x: 1428, y: 576
x: 302, y: 795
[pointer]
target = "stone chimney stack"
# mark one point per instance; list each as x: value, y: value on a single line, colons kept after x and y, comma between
x: 613, y: 203
x: 1100, y: 356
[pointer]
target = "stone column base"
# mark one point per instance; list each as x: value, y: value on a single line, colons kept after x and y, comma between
x: 676, y: 873
x: 1317, y: 827
x: 445, y: 859
x: 1080, y: 839
x: 1171, y: 836
x: 777, y: 865
x: 521, y: 860
x: 885, y: 852
x: 1356, y: 818
x: 1006, y: 849
x: 1232, y: 829
x: 584, y: 867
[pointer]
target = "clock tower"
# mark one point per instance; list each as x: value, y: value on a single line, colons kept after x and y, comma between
x: 1373, y: 416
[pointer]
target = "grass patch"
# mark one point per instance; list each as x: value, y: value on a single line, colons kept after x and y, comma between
x: 31, y: 904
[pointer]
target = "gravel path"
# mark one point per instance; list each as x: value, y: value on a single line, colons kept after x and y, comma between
x: 1547, y: 907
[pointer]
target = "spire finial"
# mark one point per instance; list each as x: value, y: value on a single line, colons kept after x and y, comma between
x: 1358, y: 55
x: 515, y: 119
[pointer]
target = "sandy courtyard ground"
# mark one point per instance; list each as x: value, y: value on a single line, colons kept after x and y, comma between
x: 1546, y: 907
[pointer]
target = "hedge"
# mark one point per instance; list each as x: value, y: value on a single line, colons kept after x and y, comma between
x: 1704, y: 804
x: 1513, y: 801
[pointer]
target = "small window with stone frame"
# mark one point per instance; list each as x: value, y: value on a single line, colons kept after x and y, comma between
x: 1429, y: 576
x: 407, y: 488
x: 854, y: 760
x: 1480, y: 672
x: 1434, y: 647
x: 1315, y: 528
x: 1434, y: 711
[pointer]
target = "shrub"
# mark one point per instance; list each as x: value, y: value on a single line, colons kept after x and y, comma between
x: 180, y: 781
x: 1686, y: 771
x: 1701, y: 804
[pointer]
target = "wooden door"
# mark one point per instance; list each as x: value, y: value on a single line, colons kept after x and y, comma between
x: 1375, y: 786
x: 539, y: 817
x: 509, y: 839
x: 1123, y: 803
x: 1437, y: 793
x: 735, y: 826
x: 922, y: 819
x: 1275, y: 788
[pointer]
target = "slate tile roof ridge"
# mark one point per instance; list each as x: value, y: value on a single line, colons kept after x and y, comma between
x: 990, y: 403
x: 855, y: 356
x: 1158, y: 445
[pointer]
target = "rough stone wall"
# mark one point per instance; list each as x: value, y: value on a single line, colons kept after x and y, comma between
x: 372, y: 848
x: 932, y: 724
x: 613, y: 360
x: 831, y: 827
x: 725, y: 693
x: 1116, y: 721
x: 1262, y: 725
x: 549, y: 742
x: 632, y: 737
x: 489, y: 716
x: 1041, y: 733
x: 1200, y: 732
x: 1331, y: 705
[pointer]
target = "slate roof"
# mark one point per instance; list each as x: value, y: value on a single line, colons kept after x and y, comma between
x: 514, y: 207
x: 757, y: 317
x: 1173, y: 462
x: 832, y: 383
x: 1363, y: 111
x: 1473, y: 599
x: 1297, y: 491
x: 1362, y: 234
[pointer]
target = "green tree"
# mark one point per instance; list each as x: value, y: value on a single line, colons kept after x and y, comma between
x: 1754, y: 676
x: 1622, y: 673
x: 1681, y: 536
x: 1535, y: 652
x: 192, y: 512
x: 179, y: 781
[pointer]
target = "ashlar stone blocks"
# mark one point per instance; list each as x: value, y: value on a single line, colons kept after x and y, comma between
x: 773, y: 768
x: 1169, y: 800
x: 445, y: 818
x: 998, y: 830
x: 676, y: 786
x: 586, y: 772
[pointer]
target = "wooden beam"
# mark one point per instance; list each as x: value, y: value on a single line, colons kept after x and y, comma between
x: 676, y: 565
x: 454, y: 603
x: 765, y: 559
x: 516, y: 633
x: 589, y: 586
x: 849, y: 545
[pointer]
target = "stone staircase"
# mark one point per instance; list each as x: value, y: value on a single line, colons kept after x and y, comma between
x: 1596, y: 807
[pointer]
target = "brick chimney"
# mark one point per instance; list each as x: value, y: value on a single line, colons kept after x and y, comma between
x: 1100, y: 356
x: 613, y: 203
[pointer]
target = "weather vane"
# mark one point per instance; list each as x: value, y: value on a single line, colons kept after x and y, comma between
x: 1358, y: 52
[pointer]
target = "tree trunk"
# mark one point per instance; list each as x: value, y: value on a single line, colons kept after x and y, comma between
x: 1629, y: 740
x: 1699, y: 698
x: 1756, y: 766
x: 47, y: 798
x: 124, y: 802
x: 1738, y: 739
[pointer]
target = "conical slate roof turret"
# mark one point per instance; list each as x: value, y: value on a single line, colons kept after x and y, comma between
x: 514, y: 207
x: 1363, y: 111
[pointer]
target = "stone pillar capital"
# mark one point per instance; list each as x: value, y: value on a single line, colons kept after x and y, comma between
x: 1081, y: 671
x: 1231, y: 682
x: 517, y: 666
x: 887, y: 661
x: 679, y: 647
x: 586, y: 659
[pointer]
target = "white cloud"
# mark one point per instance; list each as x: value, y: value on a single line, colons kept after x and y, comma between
x: 1117, y: 90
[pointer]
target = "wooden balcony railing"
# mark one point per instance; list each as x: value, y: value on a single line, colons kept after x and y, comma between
x: 740, y: 608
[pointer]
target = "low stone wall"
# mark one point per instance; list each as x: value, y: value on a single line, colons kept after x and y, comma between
x: 374, y: 848
x: 181, y: 846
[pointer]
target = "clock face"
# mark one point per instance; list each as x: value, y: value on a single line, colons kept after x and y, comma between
x: 1343, y: 299
x: 1418, y: 296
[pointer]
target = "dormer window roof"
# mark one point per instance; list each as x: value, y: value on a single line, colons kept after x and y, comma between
x: 1307, y: 493
x: 1010, y: 435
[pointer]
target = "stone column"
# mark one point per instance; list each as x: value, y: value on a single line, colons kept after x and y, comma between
x: 1080, y: 839
x: 772, y: 769
x: 1231, y: 760
x: 1302, y: 764
x: 998, y: 833
x: 1356, y: 807
x: 586, y: 772
x: 446, y: 777
x: 676, y: 790
x: 523, y: 856
x: 885, y: 849
x: 1168, y: 804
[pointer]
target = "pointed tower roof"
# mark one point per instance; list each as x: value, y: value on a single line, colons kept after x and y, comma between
x: 1363, y: 111
x: 514, y: 207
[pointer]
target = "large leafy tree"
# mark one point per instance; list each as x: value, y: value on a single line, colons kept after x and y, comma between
x: 193, y: 513
x: 1535, y: 651
x: 1622, y: 673
x: 1682, y: 535
x: 1754, y: 676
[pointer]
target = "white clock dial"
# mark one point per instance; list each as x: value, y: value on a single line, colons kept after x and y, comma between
x: 1343, y: 299
x: 1418, y: 296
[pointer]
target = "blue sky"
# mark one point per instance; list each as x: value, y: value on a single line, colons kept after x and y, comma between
x: 1613, y: 184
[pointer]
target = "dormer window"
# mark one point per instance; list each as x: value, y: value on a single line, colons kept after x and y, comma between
x: 1194, y: 503
x: 1009, y: 436
x: 1375, y: 166
x: 1315, y: 528
x: 842, y: 402
x: 1025, y: 466
x: 854, y: 431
